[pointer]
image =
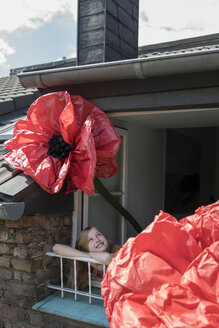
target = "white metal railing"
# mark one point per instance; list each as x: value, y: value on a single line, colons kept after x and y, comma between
x: 75, y: 291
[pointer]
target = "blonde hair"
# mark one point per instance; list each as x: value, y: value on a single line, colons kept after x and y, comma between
x: 81, y: 267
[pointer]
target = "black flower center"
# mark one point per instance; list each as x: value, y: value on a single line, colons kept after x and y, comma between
x: 58, y: 147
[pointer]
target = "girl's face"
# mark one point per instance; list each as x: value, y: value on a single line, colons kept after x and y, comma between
x: 97, y: 242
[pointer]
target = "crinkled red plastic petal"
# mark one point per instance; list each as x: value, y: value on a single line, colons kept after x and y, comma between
x: 167, y: 270
x: 106, y: 138
x: 94, y: 146
x: 131, y: 312
x: 45, y: 112
x: 47, y: 171
x: 29, y: 145
x: 177, y: 306
x: 204, y: 224
x: 68, y: 123
x: 82, y: 167
x: 202, y: 276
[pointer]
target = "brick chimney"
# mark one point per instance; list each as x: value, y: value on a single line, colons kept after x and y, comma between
x: 107, y: 30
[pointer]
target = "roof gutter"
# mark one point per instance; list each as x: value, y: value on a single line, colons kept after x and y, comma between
x: 139, y: 68
x: 11, y: 211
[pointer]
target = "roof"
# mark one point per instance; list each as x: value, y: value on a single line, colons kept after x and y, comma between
x: 16, y: 188
x: 58, y: 63
x: 172, y: 58
x: 181, y: 51
x: 19, y: 193
x: 14, y: 103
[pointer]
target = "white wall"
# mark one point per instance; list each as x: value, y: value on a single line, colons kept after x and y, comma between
x: 146, y: 172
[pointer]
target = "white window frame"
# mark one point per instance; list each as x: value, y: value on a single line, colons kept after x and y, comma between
x: 75, y: 291
x: 80, y: 218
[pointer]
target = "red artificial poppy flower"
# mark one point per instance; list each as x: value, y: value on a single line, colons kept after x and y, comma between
x: 64, y: 136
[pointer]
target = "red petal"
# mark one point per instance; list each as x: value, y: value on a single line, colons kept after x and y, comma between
x: 82, y: 168
x: 46, y: 110
x: 68, y: 123
x: 106, y: 167
x: 166, y: 263
x: 47, y: 171
x: 57, y: 113
x: 107, y: 140
x: 29, y: 145
x: 51, y: 173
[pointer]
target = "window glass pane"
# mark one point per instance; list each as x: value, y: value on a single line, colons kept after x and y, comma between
x: 115, y: 182
x: 105, y: 218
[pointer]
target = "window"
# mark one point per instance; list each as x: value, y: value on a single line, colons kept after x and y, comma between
x: 95, y: 211
x: 90, y: 293
x: 87, y: 306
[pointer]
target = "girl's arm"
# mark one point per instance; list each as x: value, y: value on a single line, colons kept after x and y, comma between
x: 102, y: 257
x: 105, y: 257
x: 66, y: 250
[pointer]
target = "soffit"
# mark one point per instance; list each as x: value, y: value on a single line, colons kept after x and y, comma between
x: 186, y: 118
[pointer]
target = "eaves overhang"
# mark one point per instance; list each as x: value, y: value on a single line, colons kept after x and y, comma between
x: 139, y: 68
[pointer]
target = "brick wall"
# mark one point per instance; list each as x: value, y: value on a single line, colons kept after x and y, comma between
x: 25, y: 270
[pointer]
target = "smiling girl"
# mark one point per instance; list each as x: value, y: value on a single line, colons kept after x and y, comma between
x: 90, y: 243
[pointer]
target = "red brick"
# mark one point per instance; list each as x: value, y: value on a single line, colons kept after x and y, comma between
x: 22, y: 289
x: 11, y: 299
x: 18, y: 275
x: 26, y: 222
x: 5, y: 274
x: 2, y: 285
x: 11, y: 312
x: 62, y: 235
x: 28, y: 277
x: 54, y: 221
x: 35, y: 319
x: 4, y: 262
x: 44, y: 275
x: 20, y: 252
x: 67, y: 221
x: 12, y: 324
x: 21, y: 265
x: 24, y: 238
x: 5, y: 249
x: 27, y: 266
x: 6, y: 236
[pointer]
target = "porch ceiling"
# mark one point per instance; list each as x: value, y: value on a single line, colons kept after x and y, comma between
x: 180, y: 118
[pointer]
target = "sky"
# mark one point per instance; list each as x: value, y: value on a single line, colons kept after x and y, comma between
x: 36, y: 32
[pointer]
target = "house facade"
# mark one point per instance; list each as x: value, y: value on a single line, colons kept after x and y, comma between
x: 164, y: 102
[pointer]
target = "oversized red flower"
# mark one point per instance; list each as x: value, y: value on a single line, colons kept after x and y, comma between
x: 64, y: 136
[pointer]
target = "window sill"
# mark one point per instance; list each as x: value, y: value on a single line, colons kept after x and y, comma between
x: 79, y: 310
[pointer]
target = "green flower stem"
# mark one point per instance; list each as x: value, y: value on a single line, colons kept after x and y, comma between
x: 107, y: 196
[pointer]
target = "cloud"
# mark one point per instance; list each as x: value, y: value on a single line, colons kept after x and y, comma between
x: 35, y: 32
x: 173, y: 20
x: 5, y: 50
x: 168, y: 28
x: 144, y: 17
x: 32, y: 14
x: 53, y: 39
